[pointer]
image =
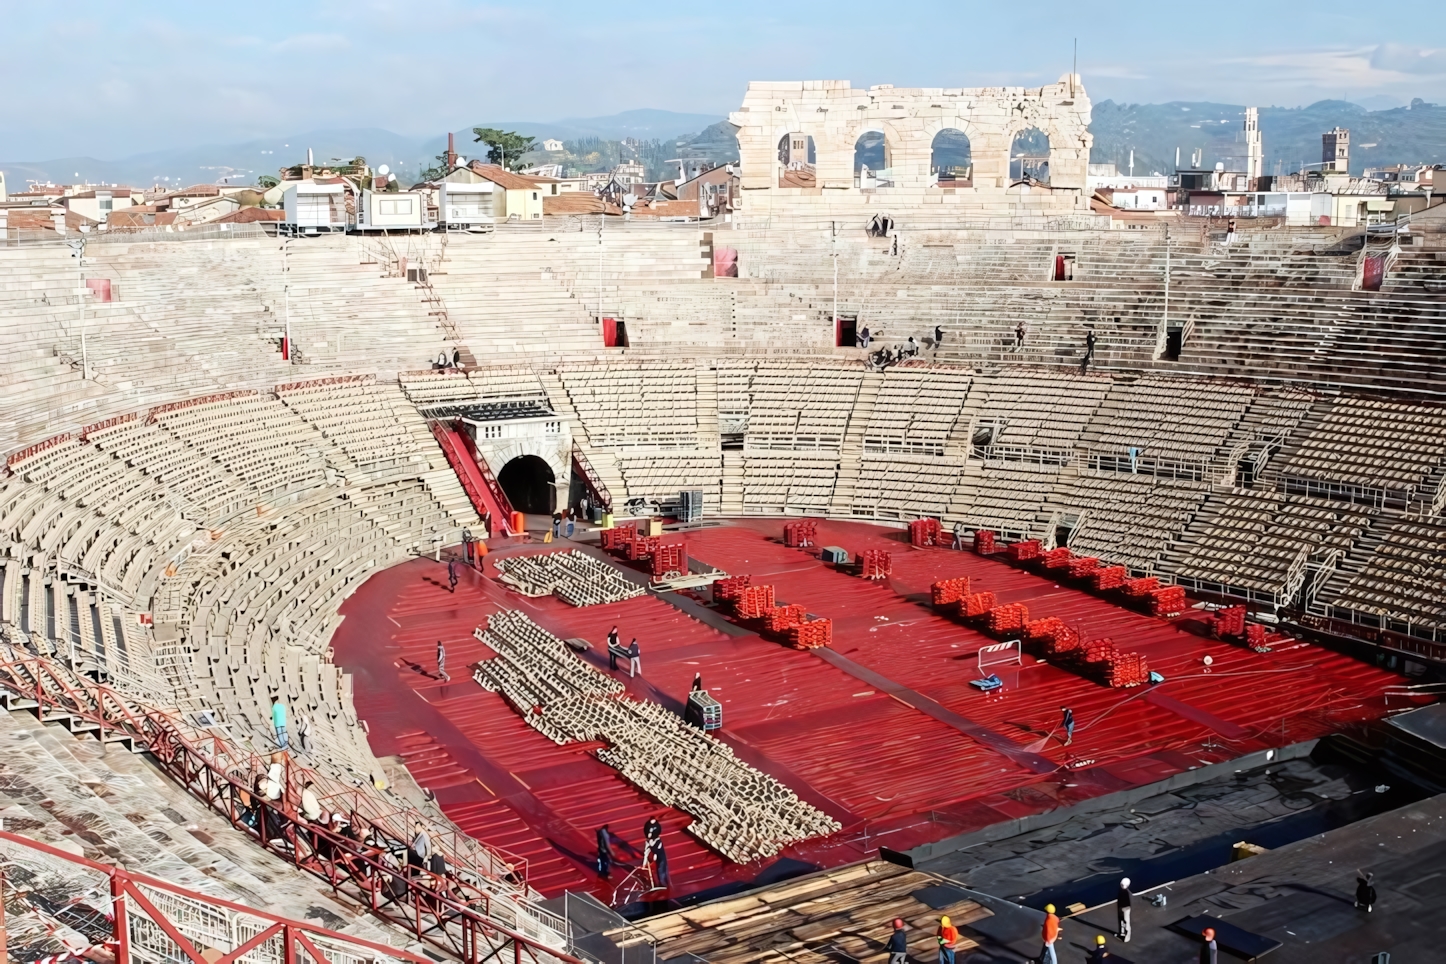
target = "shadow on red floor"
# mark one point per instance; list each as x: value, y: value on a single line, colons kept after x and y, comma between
x: 884, y: 732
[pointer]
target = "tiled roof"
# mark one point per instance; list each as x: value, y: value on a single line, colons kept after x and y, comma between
x: 251, y: 216
x: 578, y: 202
x: 502, y: 178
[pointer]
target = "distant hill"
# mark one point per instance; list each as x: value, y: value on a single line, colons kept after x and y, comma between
x: 1154, y: 131
x: 1291, y: 136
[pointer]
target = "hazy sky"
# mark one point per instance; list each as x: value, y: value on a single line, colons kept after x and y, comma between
x: 110, y: 79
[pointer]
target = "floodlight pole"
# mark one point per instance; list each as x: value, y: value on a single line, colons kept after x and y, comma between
x: 833, y: 225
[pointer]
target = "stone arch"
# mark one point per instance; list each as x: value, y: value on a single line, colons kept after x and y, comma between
x: 530, y: 484
x: 951, y: 158
x: 797, y: 160
x: 555, y: 450
x: 1029, y: 154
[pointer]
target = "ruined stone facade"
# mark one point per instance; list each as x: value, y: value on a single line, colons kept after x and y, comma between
x: 835, y: 116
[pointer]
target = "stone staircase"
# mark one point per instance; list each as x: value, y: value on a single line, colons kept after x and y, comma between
x: 109, y: 802
x: 732, y: 482
x: 852, y: 451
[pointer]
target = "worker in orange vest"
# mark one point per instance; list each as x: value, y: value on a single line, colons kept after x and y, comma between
x: 948, y: 937
x: 1050, y: 933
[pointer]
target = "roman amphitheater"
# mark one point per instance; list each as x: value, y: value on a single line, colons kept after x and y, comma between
x: 194, y: 522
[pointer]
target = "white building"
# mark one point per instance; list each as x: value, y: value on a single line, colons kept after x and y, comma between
x: 552, y: 144
x: 391, y: 210
x: 465, y: 204
x: 312, y: 206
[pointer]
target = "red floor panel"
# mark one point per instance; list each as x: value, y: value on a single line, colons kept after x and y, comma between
x: 892, y: 773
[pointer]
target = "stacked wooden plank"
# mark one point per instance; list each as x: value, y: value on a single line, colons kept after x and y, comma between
x: 842, y: 914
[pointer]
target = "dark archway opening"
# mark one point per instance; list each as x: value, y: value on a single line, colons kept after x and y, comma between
x: 527, y: 480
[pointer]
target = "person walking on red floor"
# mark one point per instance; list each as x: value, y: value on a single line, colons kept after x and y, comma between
x: 442, y: 662
x: 948, y: 938
x: 898, y: 946
x: 452, y: 575
x: 1067, y: 721
x: 1050, y: 933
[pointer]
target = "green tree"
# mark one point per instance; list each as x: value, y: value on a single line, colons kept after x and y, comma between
x: 437, y: 171
x: 267, y: 181
x: 504, y: 147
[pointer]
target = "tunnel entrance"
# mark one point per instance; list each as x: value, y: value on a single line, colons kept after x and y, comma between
x: 528, y: 480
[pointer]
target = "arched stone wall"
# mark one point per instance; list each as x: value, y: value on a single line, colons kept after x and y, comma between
x: 836, y: 114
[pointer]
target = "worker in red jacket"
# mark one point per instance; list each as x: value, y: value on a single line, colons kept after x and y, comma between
x: 1050, y: 933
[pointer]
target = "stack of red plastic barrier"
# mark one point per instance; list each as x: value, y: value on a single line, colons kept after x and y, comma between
x: 728, y: 588
x: 947, y: 592
x: 1022, y: 551
x: 753, y: 602
x: 1255, y: 636
x: 669, y: 558
x: 1066, y: 642
x: 1043, y: 630
x: 1109, y: 577
x: 1081, y: 566
x: 778, y: 619
x: 1097, y: 651
x: 1139, y: 588
x: 619, y: 537
x: 1167, y: 601
x: 812, y: 634
x: 1008, y: 618
x: 1056, y: 558
x: 1230, y: 622
x: 1126, y: 669
x: 984, y: 543
x: 977, y: 604
x: 876, y: 563
x: 643, y: 547
x: 800, y: 534
x: 924, y: 533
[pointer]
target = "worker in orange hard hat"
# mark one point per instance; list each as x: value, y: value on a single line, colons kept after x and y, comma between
x: 948, y: 937
x: 1209, y: 953
x: 1050, y: 933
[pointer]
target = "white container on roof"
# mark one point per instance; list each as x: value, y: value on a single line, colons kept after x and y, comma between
x: 399, y: 211
x: 463, y: 205
x: 310, y: 206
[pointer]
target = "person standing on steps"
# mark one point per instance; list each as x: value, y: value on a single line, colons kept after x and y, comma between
x: 938, y: 336
x: 278, y: 720
x: 1067, y: 721
x: 442, y: 662
x: 1089, y: 354
x: 1019, y: 335
x: 487, y: 523
x: 303, y: 732
x: 1122, y: 910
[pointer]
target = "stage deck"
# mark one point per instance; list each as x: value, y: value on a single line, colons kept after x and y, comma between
x: 882, y: 730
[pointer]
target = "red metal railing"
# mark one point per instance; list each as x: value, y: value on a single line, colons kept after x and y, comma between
x: 485, y: 470
x: 136, y: 897
x: 595, y: 484
x: 476, y: 908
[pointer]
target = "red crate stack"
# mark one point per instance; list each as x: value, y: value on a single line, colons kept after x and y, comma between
x: 812, y: 634
x: 1066, y: 642
x: 1022, y: 551
x: 946, y: 592
x: 1127, y: 669
x: 876, y: 563
x: 778, y: 619
x: 1056, y: 558
x: 1043, y: 630
x: 800, y: 533
x: 1081, y: 566
x: 1008, y: 618
x: 977, y: 603
x: 1097, y: 651
x: 1230, y: 622
x: 1255, y: 636
x: 924, y: 533
x: 1167, y: 601
x: 1109, y: 577
x: 669, y: 559
x: 984, y: 543
x: 753, y: 602
x: 1140, y: 587
x: 728, y: 588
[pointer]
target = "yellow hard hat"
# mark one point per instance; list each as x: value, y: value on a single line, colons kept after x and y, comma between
x: 944, y: 922
x: 1049, y: 908
x: 1100, y: 939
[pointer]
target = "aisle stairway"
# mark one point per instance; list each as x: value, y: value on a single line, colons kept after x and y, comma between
x: 108, y: 804
x: 852, y: 453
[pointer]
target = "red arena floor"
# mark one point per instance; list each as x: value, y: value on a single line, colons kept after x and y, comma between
x: 882, y: 731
